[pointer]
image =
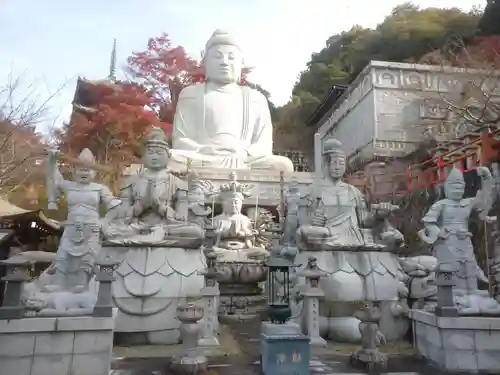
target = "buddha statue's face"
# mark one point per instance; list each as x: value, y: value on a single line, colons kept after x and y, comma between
x: 223, y: 64
x: 336, y: 166
x: 454, y: 190
x: 155, y: 157
x: 83, y: 175
x: 232, y: 205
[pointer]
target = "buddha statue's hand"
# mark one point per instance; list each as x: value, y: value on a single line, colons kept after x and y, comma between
x: 179, y: 216
x: 318, y: 219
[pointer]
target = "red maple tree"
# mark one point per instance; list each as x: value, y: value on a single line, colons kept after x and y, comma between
x: 111, y: 124
x: 164, y: 70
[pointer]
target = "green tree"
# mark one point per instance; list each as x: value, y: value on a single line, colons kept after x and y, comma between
x: 406, y: 34
x: 489, y: 23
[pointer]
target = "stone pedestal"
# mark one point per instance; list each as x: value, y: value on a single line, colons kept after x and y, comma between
x: 240, y: 293
x: 150, y: 283
x: 56, y: 346
x: 284, y: 349
x: 458, y: 344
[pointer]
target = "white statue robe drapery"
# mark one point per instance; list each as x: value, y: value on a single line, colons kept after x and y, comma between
x: 244, y: 121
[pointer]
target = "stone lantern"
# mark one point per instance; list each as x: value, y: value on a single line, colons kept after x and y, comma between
x: 312, y: 293
x: 210, y: 294
x: 445, y: 283
x: 17, y: 275
x: 105, y: 276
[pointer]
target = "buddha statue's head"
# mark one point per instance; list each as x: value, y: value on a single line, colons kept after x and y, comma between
x: 83, y: 174
x: 454, y: 186
x: 156, y: 150
x: 334, y: 158
x: 232, y: 195
x: 222, y: 59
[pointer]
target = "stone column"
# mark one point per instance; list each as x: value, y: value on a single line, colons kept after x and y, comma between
x: 210, y: 293
x: 312, y: 293
x: 318, y: 148
x: 445, y: 282
x: 105, y: 276
x: 17, y: 275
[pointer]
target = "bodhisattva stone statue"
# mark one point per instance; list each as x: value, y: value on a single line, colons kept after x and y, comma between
x: 446, y: 229
x: 336, y: 227
x: 221, y: 124
x: 155, y: 203
x: 235, y: 232
x: 336, y: 215
x: 156, y: 235
x: 63, y: 289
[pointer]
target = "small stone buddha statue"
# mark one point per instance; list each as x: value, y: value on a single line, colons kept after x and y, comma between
x: 221, y: 124
x: 234, y: 231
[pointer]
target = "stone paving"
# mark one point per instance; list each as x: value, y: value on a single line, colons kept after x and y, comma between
x: 239, y: 355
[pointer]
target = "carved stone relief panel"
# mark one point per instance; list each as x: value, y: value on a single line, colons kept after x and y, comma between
x: 434, y: 109
x: 417, y: 80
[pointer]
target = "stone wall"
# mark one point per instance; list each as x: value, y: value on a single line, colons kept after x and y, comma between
x: 50, y: 346
x: 467, y: 344
x: 390, y: 105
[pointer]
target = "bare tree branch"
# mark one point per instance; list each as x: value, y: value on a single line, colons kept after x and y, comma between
x: 21, y: 109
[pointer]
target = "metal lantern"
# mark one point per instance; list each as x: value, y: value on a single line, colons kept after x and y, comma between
x: 279, y: 281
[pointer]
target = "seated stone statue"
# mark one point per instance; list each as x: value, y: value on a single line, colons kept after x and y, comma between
x: 353, y: 245
x: 155, y: 204
x: 336, y: 213
x: 220, y: 124
x: 234, y: 231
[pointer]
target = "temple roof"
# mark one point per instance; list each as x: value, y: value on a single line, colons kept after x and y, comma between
x: 9, y: 211
x: 330, y: 99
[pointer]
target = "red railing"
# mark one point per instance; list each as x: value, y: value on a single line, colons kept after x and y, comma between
x: 467, y: 156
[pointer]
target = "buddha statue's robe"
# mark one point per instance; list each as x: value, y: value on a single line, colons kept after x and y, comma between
x: 224, y: 128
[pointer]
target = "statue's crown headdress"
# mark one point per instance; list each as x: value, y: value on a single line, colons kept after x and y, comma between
x: 220, y: 37
x: 234, y: 189
x: 156, y: 137
x: 86, y: 156
x: 333, y: 146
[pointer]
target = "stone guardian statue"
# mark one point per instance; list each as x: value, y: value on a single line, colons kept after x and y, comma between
x: 65, y: 286
x: 446, y: 229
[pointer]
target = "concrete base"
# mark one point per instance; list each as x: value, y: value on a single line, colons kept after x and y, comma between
x: 56, y: 346
x: 458, y: 344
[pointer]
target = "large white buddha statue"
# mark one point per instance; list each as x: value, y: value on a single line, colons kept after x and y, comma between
x: 221, y: 124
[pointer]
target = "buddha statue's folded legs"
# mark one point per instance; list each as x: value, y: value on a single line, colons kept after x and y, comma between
x: 310, y: 235
x: 180, y: 159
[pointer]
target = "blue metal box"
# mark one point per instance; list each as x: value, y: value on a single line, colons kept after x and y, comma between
x: 284, y: 354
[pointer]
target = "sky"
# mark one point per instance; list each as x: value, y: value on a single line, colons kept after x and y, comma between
x: 50, y: 43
